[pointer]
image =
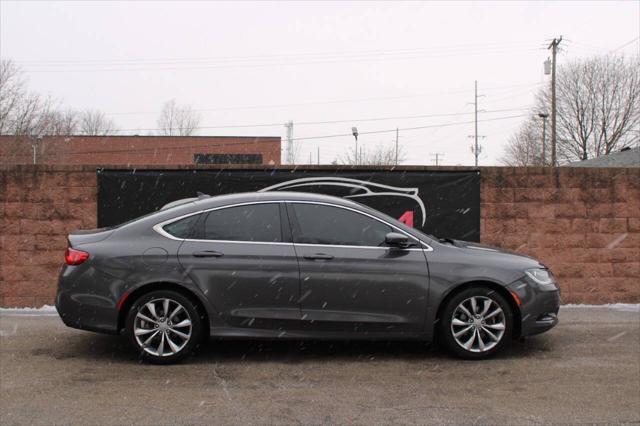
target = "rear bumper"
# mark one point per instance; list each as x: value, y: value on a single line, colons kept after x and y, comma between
x: 80, y: 307
x: 538, y: 308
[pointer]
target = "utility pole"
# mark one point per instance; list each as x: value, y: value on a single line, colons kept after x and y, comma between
x: 290, y: 157
x: 554, y: 50
x: 475, y: 152
x: 475, y: 148
x: 437, y: 156
x: 318, y: 155
x: 397, y: 133
x: 544, y: 137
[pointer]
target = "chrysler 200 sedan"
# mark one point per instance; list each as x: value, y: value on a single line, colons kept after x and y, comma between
x: 294, y: 265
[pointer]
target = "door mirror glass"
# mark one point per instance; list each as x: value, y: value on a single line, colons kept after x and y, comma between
x: 395, y: 239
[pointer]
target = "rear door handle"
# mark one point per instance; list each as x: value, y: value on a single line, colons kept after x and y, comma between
x: 208, y: 253
x: 318, y: 256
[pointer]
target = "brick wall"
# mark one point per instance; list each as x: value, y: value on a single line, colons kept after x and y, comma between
x: 133, y: 150
x: 583, y: 223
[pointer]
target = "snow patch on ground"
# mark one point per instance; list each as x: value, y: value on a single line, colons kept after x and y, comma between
x: 627, y: 307
x: 42, y: 311
x: 51, y: 310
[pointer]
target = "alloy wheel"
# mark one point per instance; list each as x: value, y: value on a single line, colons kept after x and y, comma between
x: 162, y: 327
x: 478, y: 324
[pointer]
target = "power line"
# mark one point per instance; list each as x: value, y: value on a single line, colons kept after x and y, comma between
x: 383, y: 98
x: 306, y: 123
x: 182, y: 147
x: 475, y: 46
x: 366, y: 57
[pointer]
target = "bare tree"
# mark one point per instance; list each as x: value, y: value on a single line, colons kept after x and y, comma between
x: 62, y: 122
x: 524, y: 148
x: 21, y: 112
x: 598, y: 108
x: 12, y: 90
x: 381, y: 155
x: 95, y: 123
x: 175, y: 120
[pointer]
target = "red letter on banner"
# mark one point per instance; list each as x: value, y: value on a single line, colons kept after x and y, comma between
x: 407, y: 218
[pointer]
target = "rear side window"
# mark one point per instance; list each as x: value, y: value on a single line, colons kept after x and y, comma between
x: 254, y: 222
x: 320, y: 224
x: 182, y: 228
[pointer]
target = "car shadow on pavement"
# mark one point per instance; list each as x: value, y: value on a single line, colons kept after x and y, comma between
x: 117, y: 349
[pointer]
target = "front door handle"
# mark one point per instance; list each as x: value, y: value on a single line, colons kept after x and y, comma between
x: 318, y: 256
x: 208, y: 253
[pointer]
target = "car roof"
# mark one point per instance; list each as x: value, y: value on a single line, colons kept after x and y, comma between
x: 248, y: 197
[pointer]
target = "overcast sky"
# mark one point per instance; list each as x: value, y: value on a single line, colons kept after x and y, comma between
x: 246, y: 63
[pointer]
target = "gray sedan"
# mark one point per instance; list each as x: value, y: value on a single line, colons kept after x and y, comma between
x: 293, y: 265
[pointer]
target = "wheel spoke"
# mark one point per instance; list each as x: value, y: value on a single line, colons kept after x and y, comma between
x: 175, y: 348
x: 175, y: 311
x: 152, y: 309
x: 463, y: 331
x: 183, y: 323
x: 485, y: 309
x: 165, y: 307
x: 490, y: 334
x: 465, y: 310
x: 146, y: 342
x: 161, y: 346
x: 459, y: 322
x: 474, y: 306
x: 493, y: 314
x: 179, y: 333
x: 146, y: 318
x: 498, y: 326
x: 480, y: 341
x: 143, y: 331
x: 467, y: 345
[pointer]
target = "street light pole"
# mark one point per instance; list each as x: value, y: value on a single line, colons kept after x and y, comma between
x: 34, y: 146
x: 354, y: 130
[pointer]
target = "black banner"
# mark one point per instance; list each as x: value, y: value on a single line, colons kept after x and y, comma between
x: 442, y: 203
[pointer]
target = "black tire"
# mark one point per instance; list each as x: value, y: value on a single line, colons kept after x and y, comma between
x: 190, y: 312
x: 446, y: 331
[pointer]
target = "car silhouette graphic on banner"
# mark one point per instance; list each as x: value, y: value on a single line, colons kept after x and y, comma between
x: 403, y: 204
x: 443, y: 203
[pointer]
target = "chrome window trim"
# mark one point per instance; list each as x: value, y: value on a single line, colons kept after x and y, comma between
x: 159, y: 226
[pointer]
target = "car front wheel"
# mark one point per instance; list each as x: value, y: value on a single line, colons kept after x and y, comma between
x: 164, y: 326
x: 476, y: 323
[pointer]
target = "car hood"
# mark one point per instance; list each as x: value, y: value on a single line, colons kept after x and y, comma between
x: 496, y: 252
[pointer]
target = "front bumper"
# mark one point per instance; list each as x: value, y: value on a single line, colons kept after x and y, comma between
x: 538, y: 308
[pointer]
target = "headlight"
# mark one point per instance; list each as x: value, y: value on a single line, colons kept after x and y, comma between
x: 542, y: 277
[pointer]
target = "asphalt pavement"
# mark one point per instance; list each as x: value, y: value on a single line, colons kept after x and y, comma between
x: 586, y: 370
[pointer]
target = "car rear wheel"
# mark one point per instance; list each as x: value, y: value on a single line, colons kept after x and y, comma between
x: 476, y: 323
x: 164, y: 326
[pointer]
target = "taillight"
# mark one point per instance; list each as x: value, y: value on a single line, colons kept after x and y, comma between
x: 75, y: 257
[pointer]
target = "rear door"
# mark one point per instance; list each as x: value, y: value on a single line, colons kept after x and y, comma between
x: 350, y: 280
x: 243, y: 259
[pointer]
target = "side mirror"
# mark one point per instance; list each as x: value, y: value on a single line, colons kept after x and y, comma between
x: 395, y: 239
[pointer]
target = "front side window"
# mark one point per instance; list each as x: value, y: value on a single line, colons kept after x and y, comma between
x: 320, y: 224
x: 254, y: 222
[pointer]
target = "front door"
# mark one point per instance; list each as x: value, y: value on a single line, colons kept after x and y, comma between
x: 243, y: 260
x: 349, y: 279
